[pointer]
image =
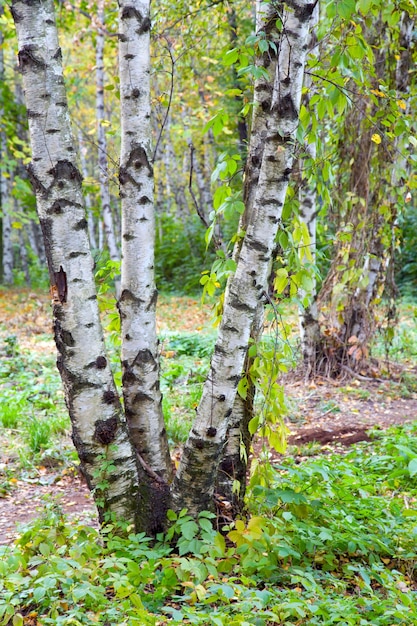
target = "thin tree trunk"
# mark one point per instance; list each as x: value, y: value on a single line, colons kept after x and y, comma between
x: 109, y: 230
x: 87, y: 198
x: 5, y: 200
x: 140, y: 355
x: 98, y: 427
x: 307, y: 193
x: 248, y: 286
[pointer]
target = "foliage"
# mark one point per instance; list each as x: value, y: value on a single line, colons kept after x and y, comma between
x: 331, y: 540
x: 180, y: 254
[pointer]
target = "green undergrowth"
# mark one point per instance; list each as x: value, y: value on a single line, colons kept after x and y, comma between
x: 331, y: 540
x: 33, y: 417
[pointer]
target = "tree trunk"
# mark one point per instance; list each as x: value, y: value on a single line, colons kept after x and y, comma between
x: 193, y: 489
x: 98, y: 427
x: 359, y: 269
x: 87, y: 198
x: 109, y: 230
x: 140, y: 356
x: 5, y: 199
x: 307, y: 193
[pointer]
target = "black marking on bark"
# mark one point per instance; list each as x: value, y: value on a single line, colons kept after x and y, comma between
x: 58, y: 54
x: 142, y: 357
x: 128, y: 296
x: 235, y: 380
x: 128, y: 376
x: 143, y: 219
x: 286, y: 108
x: 27, y: 58
x: 144, y: 27
x: 38, y: 187
x: 89, y: 325
x: 17, y: 17
x: 131, y: 12
x: 58, y: 207
x: 74, y: 255
x: 199, y: 444
x: 256, y: 245
x: 101, y: 362
x: 144, y: 200
x: 222, y: 398
x: 105, y: 430
x: 219, y: 350
x: 33, y: 114
x: 286, y: 175
x: 64, y: 105
x: 66, y: 170
x: 231, y: 329
x: 109, y: 397
x: 135, y: 93
x: 128, y: 337
x: 129, y: 57
x: 81, y: 225
x: 211, y: 431
x: 76, y: 280
x: 304, y: 13
x: 142, y: 397
x: 228, y: 413
x: 153, y: 300
x: 60, y: 281
x: 128, y: 237
x: 139, y: 158
x: 93, y: 297
x: 240, y: 306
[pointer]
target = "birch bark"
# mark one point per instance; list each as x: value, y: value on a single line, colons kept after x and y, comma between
x: 308, y: 314
x: 192, y: 489
x: 140, y: 356
x: 98, y: 427
x: 109, y: 230
x: 6, y: 231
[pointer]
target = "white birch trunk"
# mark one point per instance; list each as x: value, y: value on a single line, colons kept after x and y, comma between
x: 109, y: 230
x: 98, y: 428
x: 234, y: 464
x: 87, y: 198
x: 7, y: 250
x: 192, y: 489
x: 140, y: 354
x: 308, y: 314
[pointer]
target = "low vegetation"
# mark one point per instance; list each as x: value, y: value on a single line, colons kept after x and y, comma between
x: 326, y: 538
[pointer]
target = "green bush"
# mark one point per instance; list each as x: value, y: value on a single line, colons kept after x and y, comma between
x: 180, y: 254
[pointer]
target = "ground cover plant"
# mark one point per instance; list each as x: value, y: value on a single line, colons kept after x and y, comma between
x: 331, y: 540
x: 326, y: 539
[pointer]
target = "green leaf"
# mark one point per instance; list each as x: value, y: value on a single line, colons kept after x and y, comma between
x: 412, y: 467
x: 189, y: 530
x: 281, y: 280
x: 242, y: 387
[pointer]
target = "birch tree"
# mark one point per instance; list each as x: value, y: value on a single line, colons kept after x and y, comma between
x: 124, y: 453
x: 98, y: 425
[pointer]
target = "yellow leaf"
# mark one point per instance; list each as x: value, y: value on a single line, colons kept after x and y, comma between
x: 376, y: 138
x: 402, y: 104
